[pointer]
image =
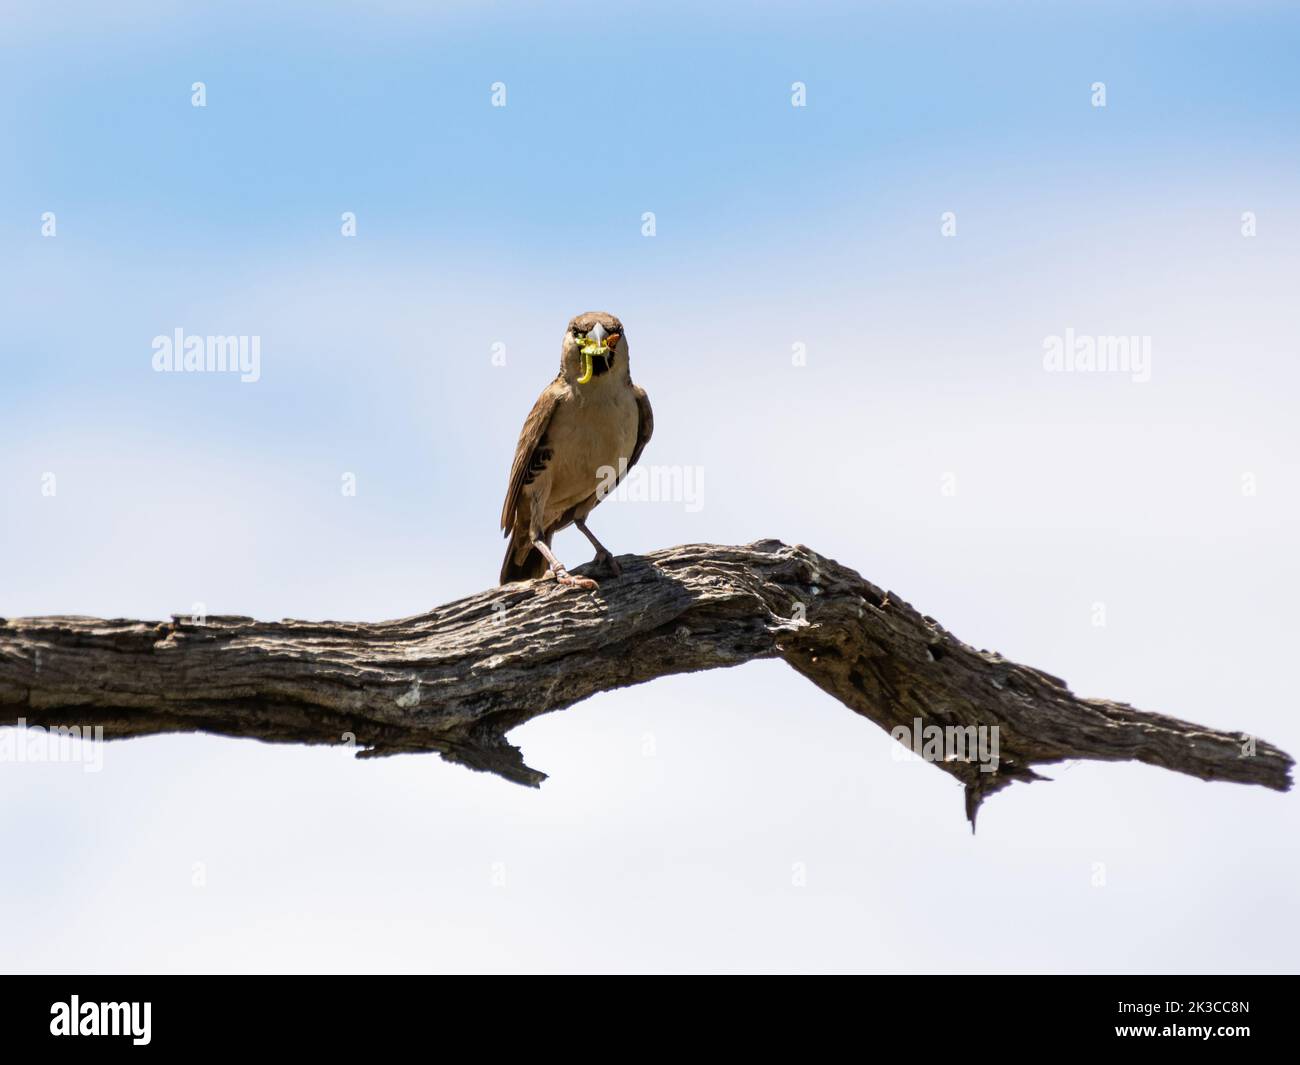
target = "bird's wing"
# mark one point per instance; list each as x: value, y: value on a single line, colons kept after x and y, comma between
x: 645, y: 424
x: 526, y: 451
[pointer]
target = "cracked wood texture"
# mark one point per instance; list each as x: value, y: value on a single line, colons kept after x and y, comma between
x: 457, y: 679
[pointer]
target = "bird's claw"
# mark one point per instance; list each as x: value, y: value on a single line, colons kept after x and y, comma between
x: 604, y: 558
x: 570, y: 581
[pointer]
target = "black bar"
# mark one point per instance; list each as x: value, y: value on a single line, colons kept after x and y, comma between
x: 968, y: 1014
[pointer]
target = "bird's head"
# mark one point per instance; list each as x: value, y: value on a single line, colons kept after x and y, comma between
x: 594, y: 344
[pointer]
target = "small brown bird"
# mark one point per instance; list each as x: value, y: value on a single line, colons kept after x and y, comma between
x: 584, y: 433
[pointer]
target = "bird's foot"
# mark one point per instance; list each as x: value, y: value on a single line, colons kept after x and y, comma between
x: 568, y: 580
x: 609, y: 562
x: 557, y: 570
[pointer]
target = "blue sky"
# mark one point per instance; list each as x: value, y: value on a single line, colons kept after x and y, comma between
x: 775, y: 226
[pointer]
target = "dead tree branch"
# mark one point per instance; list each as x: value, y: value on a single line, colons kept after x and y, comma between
x: 457, y: 679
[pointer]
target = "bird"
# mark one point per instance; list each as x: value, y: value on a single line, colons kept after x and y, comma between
x: 586, y: 430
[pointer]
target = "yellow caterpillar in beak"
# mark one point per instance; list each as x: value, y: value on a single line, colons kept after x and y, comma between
x: 590, y: 349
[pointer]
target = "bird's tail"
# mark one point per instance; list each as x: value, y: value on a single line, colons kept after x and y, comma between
x: 523, y: 561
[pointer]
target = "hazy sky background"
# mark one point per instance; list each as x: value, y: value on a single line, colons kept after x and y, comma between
x: 776, y: 226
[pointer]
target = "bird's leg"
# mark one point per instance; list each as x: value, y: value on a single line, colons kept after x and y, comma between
x: 603, y: 557
x: 537, y: 533
x: 557, y: 567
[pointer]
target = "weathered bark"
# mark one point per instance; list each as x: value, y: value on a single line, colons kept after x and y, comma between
x: 457, y: 679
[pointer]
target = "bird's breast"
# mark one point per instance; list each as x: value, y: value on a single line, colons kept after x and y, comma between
x: 588, y: 435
